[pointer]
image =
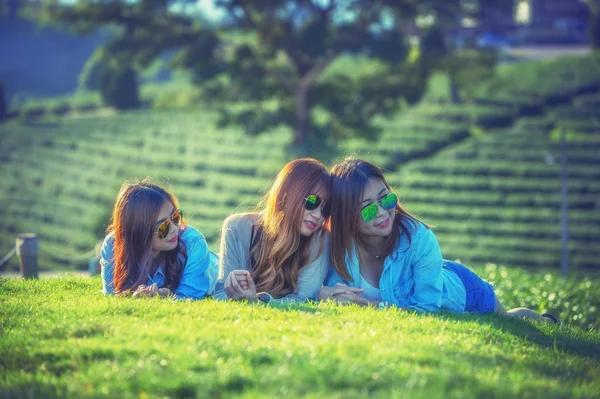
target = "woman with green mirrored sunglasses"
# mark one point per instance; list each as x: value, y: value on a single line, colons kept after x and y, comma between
x: 378, y: 246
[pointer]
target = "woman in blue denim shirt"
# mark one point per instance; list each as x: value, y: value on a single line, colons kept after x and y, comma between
x: 151, y: 251
x: 380, y: 247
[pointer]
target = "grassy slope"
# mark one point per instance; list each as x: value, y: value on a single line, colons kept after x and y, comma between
x: 496, y: 198
x: 61, y: 177
x: 64, y: 176
x: 488, y: 178
x: 491, y: 184
x: 60, y: 338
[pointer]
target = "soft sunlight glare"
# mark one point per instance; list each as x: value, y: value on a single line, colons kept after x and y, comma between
x: 206, y: 8
x: 523, y: 12
x: 209, y: 10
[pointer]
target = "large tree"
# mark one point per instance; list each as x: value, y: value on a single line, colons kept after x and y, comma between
x: 452, y: 42
x: 271, y: 57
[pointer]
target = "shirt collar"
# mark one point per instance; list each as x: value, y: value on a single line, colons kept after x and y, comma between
x: 396, y: 251
x: 158, y: 273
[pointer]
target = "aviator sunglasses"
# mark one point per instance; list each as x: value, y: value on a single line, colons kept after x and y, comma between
x: 313, y: 201
x: 369, y: 212
x: 163, y: 229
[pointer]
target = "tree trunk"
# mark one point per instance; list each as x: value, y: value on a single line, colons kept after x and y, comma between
x: 454, y: 91
x: 301, y: 129
x: 564, y: 206
x: 305, y: 82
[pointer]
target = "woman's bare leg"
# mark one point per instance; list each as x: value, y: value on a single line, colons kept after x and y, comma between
x: 521, y: 313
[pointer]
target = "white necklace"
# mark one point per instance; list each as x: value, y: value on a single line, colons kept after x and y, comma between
x: 377, y: 256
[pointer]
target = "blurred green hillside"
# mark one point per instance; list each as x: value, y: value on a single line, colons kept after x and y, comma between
x: 486, y: 175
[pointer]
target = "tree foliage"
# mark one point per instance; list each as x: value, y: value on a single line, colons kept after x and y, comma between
x: 119, y: 88
x: 269, y: 57
x: 466, y: 64
x: 94, y: 69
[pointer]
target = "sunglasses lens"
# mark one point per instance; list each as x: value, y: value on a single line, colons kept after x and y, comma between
x: 389, y: 201
x: 369, y: 212
x: 163, y: 229
x: 326, y: 209
x: 176, y: 218
x: 312, y: 202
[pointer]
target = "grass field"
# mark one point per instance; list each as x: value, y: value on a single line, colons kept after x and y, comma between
x: 486, y: 175
x: 62, y: 338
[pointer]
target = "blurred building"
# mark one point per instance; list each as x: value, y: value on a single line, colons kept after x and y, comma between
x: 551, y: 22
x: 519, y: 23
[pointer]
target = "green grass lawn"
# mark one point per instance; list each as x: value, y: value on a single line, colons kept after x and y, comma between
x: 486, y: 175
x: 62, y: 338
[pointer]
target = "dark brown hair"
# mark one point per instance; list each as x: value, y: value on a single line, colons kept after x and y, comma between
x: 134, y: 225
x: 282, y: 251
x: 348, y: 181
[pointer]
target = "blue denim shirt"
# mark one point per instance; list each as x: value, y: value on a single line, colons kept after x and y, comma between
x: 199, y: 273
x: 413, y: 276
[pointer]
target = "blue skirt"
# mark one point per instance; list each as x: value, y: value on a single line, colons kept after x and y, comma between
x: 481, y: 297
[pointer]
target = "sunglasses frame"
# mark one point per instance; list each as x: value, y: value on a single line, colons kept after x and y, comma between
x: 167, y: 223
x: 366, y: 216
x: 325, y: 206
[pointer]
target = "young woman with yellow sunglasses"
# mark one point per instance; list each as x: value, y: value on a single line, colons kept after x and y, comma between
x: 150, y: 250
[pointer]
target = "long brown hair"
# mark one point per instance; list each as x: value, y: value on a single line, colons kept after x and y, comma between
x: 133, y: 223
x: 348, y: 181
x: 282, y: 251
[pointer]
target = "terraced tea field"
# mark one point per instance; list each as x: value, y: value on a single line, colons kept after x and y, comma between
x: 497, y: 198
x: 60, y: 178
x: 494, y: 194
x: 485, y: 175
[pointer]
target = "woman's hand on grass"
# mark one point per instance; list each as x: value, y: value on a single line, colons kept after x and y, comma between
x: 352, y: 297
x: 146, y: 291
x: 243, y: 278
x: 337, y: 290
x: 239, y: 285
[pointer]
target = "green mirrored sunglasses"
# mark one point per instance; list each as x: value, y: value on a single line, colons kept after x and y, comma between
x: 313, y: 201
x: 369, y: 212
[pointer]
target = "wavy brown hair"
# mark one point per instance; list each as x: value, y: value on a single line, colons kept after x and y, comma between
x: 348, y: 181
x: 133, y: 223
x: 282, y: 251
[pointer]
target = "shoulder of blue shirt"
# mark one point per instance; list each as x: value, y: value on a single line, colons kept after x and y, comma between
x: 415, y: 229
x: 192, y: 234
